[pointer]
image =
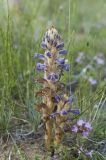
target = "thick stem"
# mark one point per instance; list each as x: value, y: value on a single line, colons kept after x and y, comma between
x: 60, y: 123
x: 58, y: 131
x: 48, y: 134
x: 48, y: 121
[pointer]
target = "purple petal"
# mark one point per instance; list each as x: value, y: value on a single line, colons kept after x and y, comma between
x: 40, y: 67
x: 66, y: 67
x: 57, y: 98
x: 60, y: 46
x: 78, y: 59
x: 60, y: 60
x: 87, y: 125
x: 39, y: 56
x: 52, y: 77
x: 70, y: 100
x: 92, y: 81
x: 48, y: 54
x: 74, y: 129
x: 43, y: 45
x: 99, y: 60
x: 85, y: 134
x: 64, y: 111
x: 80, y: 122
x: 63, y: 52
x: 75, y: 111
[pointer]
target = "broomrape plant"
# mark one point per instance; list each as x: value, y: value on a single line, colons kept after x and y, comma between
x: 56, y: 99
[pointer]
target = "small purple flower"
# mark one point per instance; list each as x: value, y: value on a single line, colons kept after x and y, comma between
x: 88, y: 126
x: 89, y: 154
x: 60, y: 46
x: 57, y: 98
x: 66, y: 67
x: 53, y: 77
x: 99, y: 60
x: 43, y: 45
x: 85, y: 134
x: 70, y: 100
x: 75, y: 111
x: 63, y: 112
x: 40, y: 67
x: 74, y: 129
x: 48, y: 54
x: 80, y: 122
x: 63, y: 52
x: 84, y: 127
x: 53, y: 115
x: 92, y: 81
x: 60, y: 60
x: 78, y: 59
x: 39, y: 56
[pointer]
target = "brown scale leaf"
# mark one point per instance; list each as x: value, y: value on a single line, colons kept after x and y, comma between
x: 44, y: 92
x: 40, y: 106
x: 60, y: 86
x: 40, y: 80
